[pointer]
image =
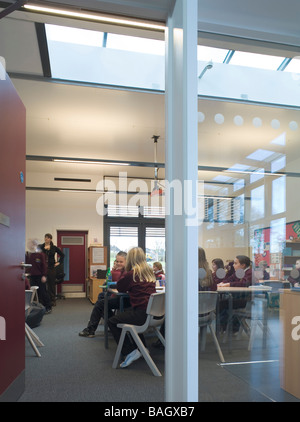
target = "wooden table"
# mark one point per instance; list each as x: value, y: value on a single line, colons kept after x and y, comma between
x: 290, y: 341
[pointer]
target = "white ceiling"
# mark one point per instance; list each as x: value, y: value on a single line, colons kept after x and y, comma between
x: 77, y: 121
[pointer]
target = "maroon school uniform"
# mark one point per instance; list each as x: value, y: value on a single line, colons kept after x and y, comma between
x: 246, y: 281
x: 139, y: 291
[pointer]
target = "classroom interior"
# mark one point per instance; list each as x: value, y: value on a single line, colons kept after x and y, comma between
x: 95, y: 167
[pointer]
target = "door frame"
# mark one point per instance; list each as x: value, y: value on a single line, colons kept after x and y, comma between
x: 73, y: 231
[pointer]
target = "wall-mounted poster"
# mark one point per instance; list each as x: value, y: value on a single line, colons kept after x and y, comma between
x: 262, y: 242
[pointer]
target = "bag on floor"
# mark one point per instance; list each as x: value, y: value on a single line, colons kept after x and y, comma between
x: 36, y: 315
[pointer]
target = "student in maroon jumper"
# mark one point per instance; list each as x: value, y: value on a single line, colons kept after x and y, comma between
x: 139, y: 282
x: 216, y: 264
x: 242, y: 277
x: 295, y: 281
x: 113, y: 300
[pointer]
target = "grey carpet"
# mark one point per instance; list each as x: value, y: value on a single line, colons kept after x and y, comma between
x: 76, y: 369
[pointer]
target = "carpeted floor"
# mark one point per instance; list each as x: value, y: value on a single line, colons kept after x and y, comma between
x: 76, y: 369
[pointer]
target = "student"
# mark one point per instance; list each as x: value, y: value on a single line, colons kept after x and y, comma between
x: 294, y: 280
x: 204, y: 273
x: 241, y: 278
x: 263, y: 265
x: 51, y: 251
x: 216, y: 264
x: 159, y: 273
x: 113, y: 301
x: 229, y: 268
x: 38, y: 271
x: 139, y: 282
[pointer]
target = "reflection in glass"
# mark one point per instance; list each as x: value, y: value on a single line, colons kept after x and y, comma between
x: 278, y: 195
x: 277, y: 236
x: 258, y: 203
x: 278, y: 164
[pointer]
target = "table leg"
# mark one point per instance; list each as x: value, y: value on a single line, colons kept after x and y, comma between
x: 230, y: 307
x: 106, y: 320
x: 265, y: 322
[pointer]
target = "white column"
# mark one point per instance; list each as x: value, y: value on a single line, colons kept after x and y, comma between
x: 181, y: 227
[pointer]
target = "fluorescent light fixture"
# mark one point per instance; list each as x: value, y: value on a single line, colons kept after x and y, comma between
x: 77, y: 191
x: 91, y: 162
x: 96, y: 17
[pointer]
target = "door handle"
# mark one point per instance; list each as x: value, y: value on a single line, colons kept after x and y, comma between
x: 23, y: 265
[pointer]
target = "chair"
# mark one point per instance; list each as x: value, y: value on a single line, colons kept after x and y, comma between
x: 207, y: 310
x: 30, y: 334
x: 256, y: 312
x: 155, y: 317
x: 273, y: 295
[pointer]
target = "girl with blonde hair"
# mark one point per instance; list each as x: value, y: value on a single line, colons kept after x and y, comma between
x: 136, y: 262
x: 139, y: 282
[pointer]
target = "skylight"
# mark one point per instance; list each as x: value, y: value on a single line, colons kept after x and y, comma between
x: 294, y: 65
x: 74, y: 35
x: 139, y: 45
x: 260, y: 61
x: 104, y: 58
x: 216, y: 55
x: 134, y: 62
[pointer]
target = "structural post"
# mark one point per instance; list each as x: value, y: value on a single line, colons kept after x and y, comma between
x: 181, y: 204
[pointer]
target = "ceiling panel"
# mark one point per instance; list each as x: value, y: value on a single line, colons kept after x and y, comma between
x: 68, y: 120
x: 19, y: 46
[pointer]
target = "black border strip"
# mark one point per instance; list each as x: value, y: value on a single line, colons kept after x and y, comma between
x: 43, y: 47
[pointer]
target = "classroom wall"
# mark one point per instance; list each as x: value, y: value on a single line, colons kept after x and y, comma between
x: 47, y: 212
x: 52, y: 211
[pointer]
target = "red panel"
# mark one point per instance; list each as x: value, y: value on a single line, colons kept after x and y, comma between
x: 12, y: 236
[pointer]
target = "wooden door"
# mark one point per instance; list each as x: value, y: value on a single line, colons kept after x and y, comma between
x: 12, y: 242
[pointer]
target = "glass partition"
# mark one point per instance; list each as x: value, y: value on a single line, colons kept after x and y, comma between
x: 249, y: 180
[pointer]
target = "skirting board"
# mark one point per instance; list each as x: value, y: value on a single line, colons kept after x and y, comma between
x: 14, y: 390
x: 74, y: 295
